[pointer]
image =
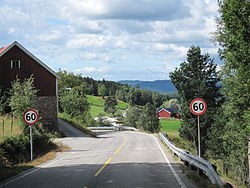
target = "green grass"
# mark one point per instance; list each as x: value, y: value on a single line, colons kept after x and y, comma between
x: 9, y: 127
x: 96, y: 110
x: 96, y: 101
x: 123, y: 105
x: 97, y: 104
x: 170, y: 125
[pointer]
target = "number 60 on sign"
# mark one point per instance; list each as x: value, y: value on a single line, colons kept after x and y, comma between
x: 30, y: 116
x: 198, y: 106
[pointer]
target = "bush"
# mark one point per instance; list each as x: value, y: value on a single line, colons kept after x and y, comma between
x: 17, y: 148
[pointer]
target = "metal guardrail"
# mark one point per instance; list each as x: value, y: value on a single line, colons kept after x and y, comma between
x: 193, y: 160
x: 113, y: 128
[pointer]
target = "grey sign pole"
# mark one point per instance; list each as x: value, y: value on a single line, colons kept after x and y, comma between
x: 199, y: 137
x: 31, y: 144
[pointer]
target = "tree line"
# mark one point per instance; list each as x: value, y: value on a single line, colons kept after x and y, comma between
x: 133, y: 96
x: 73, y: 101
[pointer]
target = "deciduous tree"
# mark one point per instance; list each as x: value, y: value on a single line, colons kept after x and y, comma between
x: 233, y: 34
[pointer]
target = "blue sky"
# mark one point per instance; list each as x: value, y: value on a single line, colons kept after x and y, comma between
x: 110, y: 39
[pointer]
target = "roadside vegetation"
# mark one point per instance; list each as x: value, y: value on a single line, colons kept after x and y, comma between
x: 171, y: 127
x: 8, y: 170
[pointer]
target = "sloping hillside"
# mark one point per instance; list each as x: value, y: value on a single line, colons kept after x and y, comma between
x: 97, y: 104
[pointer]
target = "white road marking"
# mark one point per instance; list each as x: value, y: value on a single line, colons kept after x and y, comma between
x: 177, y: 177
x: 37, y: 168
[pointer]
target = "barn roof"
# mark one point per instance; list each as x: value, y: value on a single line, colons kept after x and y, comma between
x: 5, y: 49
x: 170, y: 110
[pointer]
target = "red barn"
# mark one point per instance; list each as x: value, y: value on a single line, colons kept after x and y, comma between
x: 168, y: 113
x: 16, y: 61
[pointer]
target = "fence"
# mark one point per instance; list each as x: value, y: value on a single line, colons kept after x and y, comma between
x: 9, y: 126
x: 195, y: 161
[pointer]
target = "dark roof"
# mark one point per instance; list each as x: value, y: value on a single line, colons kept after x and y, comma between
x: 171, y: 110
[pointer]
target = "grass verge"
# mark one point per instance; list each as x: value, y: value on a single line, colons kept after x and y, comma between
x: 9, y: 171
x: 78, y: 125
x: 200, y: 181
x: 171, y: 127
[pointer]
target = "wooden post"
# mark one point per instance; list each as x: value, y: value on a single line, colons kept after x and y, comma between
x: 12, y: 121
x: 3, y: 127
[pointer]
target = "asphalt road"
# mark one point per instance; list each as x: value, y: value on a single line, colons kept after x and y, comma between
x: 114, y: 159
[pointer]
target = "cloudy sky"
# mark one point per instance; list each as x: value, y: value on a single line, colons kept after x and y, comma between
x: 111, y: 39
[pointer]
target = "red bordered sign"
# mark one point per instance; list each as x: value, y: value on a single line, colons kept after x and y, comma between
x: 30, y: 116
x: 198, y: 106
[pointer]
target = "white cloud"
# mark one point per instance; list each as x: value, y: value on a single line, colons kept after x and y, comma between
x: 122, y: 32
x: 86, y: 40
x: 89, y: 56
x: 94, y: 70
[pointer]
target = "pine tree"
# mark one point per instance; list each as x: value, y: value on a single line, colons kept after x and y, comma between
x: 197, y: 78
x: 110, y: 105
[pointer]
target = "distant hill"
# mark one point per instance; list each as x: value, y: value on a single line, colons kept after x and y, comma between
x: 161, y: 86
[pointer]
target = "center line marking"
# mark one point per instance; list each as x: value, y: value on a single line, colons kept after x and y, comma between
x: 100, y: 170
x: 124, y: 142
x: 107, y: 162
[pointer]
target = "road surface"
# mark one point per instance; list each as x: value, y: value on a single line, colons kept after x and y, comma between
x: 118, y: 159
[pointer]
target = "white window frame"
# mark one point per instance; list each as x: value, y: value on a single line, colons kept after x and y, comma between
x: 12, y: 63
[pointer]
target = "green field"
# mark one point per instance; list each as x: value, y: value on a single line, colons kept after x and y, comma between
x: 97, y: 104
x: 170, y: 125
x: 96, y: 101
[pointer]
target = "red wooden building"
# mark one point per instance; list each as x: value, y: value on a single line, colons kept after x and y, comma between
x: 168, y: 113
x: 16, y: 61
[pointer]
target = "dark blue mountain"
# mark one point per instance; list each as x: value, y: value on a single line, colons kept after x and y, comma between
x: 161, y: 86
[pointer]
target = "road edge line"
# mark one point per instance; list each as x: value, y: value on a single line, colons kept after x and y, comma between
x: 36, y: 169
x: 177, y: 177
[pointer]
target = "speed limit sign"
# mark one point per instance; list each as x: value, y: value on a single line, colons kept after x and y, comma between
x: 30, y: 116
x: 198, y: 106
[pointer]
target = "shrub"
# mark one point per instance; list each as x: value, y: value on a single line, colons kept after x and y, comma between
x: 17, y: 148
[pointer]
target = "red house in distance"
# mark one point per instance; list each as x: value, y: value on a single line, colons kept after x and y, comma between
x: 168, y: 113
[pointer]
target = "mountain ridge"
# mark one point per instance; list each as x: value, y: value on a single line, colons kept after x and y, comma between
x: 161, y: 86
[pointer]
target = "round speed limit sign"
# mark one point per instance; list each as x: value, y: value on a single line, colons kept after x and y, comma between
x: 30, y: 116
x: 198, y: 106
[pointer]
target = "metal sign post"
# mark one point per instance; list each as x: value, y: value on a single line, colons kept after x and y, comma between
x: 31, y: 144
x: 199, y: 137
x: 198, y: 107
x: 30, y: 117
